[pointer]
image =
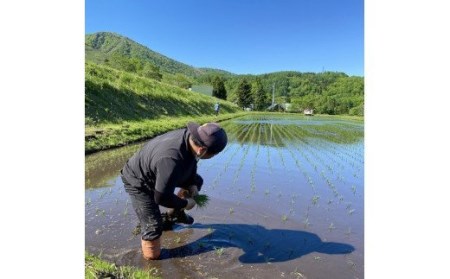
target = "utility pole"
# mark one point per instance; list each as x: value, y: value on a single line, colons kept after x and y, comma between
x: 273, y: 94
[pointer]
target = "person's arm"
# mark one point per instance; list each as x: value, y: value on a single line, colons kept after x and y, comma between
x: 195, y: 179
x: 167, y: 173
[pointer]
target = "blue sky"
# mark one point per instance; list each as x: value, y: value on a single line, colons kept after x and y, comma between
x: 243, y: 37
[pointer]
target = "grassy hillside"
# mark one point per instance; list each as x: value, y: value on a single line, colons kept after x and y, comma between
x: 122, y: 107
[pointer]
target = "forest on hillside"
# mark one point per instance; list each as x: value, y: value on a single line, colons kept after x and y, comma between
x: 326, y: 93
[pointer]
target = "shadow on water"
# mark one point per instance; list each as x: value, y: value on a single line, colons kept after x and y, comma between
x: 260, y: 245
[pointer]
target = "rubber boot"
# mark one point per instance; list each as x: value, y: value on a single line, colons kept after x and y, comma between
x: 151, y: 249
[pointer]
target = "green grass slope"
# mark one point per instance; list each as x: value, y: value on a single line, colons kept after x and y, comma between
x: 122, y: 107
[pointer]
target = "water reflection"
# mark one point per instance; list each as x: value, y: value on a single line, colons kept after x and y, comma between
x: 102, y: 167
x: 277, y: 132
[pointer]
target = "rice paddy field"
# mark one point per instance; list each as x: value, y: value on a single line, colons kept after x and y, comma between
x: 286, y: 200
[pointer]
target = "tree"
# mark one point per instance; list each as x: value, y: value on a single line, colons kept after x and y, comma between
x: 151, y: 71
x: 219, y: 90
x: 244, y: 94
x: 182, y: 81
x: 259, y: 95
x: 125, y: 64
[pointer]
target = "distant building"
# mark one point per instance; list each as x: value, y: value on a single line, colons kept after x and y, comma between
x: 308, y: 111
x: 204, y: 89
x: 288, y: 107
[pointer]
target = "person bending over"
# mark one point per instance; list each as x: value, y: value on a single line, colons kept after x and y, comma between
x: 164, y: 163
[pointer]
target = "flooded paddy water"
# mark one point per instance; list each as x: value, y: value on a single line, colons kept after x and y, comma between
x: 286, y: 201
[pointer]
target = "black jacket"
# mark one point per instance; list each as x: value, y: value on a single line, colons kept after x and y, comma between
x: 162, y: 164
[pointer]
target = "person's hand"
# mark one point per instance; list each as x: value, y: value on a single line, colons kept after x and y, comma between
x: 193, y: 190
x: 190, y: 203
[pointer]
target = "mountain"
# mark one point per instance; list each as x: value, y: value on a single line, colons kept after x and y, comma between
x: 102, y: 45
x: 326, y: 92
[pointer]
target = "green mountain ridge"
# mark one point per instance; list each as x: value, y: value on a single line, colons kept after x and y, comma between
x: 101, y: 46
x: 325, y: 92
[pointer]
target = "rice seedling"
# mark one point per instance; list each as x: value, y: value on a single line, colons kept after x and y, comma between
x: 298, y: 273
x: 177, y: 239
x: 349, y: 231
x: 101, y: 253
x: 202, y: 200
x: 231, y: 210
x: 306, y: 222
x: 99, y: 212
x: 335, y: 193
x: 354, y: 189
x: 267, y: 260
x: 102, y: 194
x: 350, y: 212
x: 136, y: 231
x: 315, y: 199
x: 331, y: 227
x: 351, y: 264
x: 284, y: 218
x: 317, y: 258
x: 219, y: 251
